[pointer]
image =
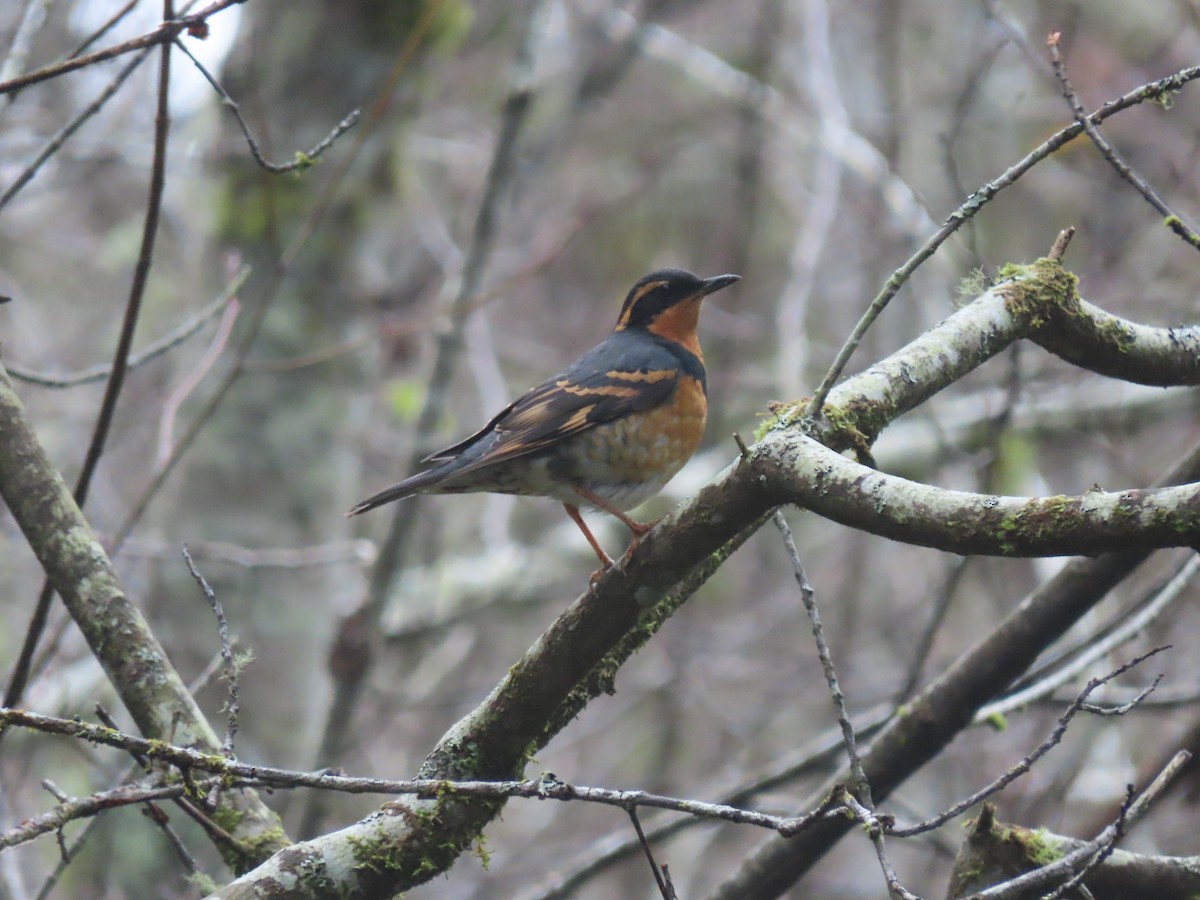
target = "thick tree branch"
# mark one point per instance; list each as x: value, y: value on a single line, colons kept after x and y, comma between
x: 1087, y: 854
x: 798, y: 470
x: 82, y: 574
x: 947, y: 705
x: 1098, y: 341
x: 581, y: 652
x: 994, y: 853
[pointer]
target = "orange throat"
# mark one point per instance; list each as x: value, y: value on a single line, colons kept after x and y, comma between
x: 678, y: 324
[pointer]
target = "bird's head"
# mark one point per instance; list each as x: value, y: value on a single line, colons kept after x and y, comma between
x: 667, y: 303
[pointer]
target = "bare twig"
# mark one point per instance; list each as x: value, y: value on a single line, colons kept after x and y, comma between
x: 972, y: 205
x: 152, y: 351
x: 303, y: 159
x: 1055, y: 737
x: 231, y: 668
x: 875, y: 831
x: 817, y: 755
x: 544, y: 788
x: 858, y: 793
x: 164, y: 33
x: 105, y: 28
x: 70, y: 809
x: 1045, y: 684
x: 141, y: 273
x: 667, y: 893
x: 18, y: 51
x: 174, y: 400
x: 64, y: 134
x: 159, y: 817
x: 116, y: 378
x: 1049, y: 874
x: 1173, y: 221
x: 81, y: 838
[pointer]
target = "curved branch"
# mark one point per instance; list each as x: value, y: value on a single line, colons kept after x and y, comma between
x: 799, y: 470
x: 1100, y: 342
x: 581, y: 652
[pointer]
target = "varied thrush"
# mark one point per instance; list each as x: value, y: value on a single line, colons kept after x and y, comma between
x: 609, y: 432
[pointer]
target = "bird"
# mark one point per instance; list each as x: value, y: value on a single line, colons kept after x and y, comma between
x: 608, y: 432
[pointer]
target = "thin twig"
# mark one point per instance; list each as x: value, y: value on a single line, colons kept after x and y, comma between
x: 197, y: 684
x: 1052, y: 741
x: 860, y: 792
x: 667, y: 894
x: 1139, y: 184
x: 839, y: 700
x: 231, y: 669
x: 18, y: 52
x: 174, y: 400
x: 152, y: 351
x: 544, y: 788
x: 65, y: 133
x: 156, y: 814
x: 875, y: 830
x: 1150, y: 91
x: 1106, y: 850
x: 1045, y: 684
x: 116, y: 380
x: 104, y: 29
x: 818, y: 755
x: 303, y: 159
x: 164, y: 33
x: 1022, y: 885
x: 70, y: 809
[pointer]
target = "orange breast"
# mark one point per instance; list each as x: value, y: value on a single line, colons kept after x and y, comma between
x: 648, y: 446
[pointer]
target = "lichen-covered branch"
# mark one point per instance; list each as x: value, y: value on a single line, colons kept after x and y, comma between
x: 581, y: 652
x: 1098, y: 341
x: 82, y: 574
x: 1004, y: 862
x: 810, y: 475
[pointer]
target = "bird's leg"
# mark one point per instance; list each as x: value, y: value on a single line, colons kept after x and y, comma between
x: 639, y: 529
x: 605, y: 560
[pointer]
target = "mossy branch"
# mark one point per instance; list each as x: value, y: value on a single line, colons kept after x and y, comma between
x: 82, y: 574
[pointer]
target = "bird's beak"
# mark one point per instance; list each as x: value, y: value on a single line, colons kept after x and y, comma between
x: 712, y: 285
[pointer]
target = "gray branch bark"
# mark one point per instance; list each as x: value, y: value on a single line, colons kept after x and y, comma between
x: 82, y: 574
x: 413, y: 840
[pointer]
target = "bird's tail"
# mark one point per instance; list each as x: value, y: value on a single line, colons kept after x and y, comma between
x: 406, y: 488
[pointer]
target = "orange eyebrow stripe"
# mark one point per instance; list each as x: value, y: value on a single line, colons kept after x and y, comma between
x: 637, y: 298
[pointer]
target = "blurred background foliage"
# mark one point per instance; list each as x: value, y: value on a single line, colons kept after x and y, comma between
x: 808, y: 146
